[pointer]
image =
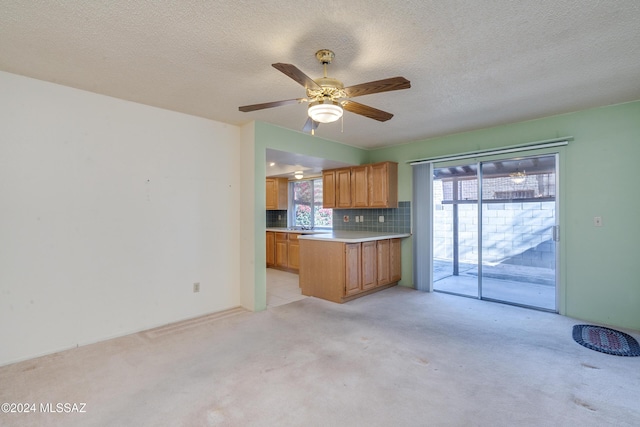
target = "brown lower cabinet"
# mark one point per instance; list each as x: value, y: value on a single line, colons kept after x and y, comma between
x: 283, y: 251
x: 339, y: 272
x: 271, y: 248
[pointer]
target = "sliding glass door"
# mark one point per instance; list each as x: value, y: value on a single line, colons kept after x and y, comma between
x: 455, y: 230
x: 500, y: 246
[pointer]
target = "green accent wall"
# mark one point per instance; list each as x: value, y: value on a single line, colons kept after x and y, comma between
x: 599, y: 279
x: 598, y: 177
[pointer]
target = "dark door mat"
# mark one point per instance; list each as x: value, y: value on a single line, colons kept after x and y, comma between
x: 606, y: 340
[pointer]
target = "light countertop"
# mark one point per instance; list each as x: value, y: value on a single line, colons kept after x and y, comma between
x: 353, y: 236
x: 297, y: 231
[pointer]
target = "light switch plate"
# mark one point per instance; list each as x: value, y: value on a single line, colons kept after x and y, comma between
x: 381, y: 218
x: 597, y: 221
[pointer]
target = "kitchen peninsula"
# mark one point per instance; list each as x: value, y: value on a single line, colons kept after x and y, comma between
x: 283, y: 249
x: 344, y: 265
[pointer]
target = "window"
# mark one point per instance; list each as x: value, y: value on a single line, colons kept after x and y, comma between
x: 305, y: 208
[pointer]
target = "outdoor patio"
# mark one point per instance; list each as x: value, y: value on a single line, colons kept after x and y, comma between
x: 514, y: 284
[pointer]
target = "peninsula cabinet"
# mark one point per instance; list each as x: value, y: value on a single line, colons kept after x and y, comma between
x: 368, y: 265
x: 382, y: 251
x: 365, y: 186
x: 352, y: 275
x: 293, y: 260
x: 360, y: 267
x: 395, y: 261
x: 340, y: 271
x: 277, y: 191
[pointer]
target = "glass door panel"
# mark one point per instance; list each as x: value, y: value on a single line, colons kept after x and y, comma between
x: 518, y: 249
x: 455, y: 230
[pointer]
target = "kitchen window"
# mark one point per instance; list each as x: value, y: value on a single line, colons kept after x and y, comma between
x: 305, y: 205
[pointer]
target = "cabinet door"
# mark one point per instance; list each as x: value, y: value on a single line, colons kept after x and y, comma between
x: 277, y: 193
x: 343, y: 188
x: 383, y: 185
x: 360, y: 186
x: 271, y: 248
x: 272, y: 193
x: 395, y: 260
x: 294, y: 251
x: 329, y: 189
x: 383, y: 262
x: 369, y: 265
x: 282, y: 253
x: 353, y: 278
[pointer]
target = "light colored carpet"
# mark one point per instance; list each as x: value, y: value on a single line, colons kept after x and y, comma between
x: 395, y: 358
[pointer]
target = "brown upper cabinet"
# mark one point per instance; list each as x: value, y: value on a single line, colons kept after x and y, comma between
x: 336, y: 188
x: 383, y: 185
x: 343, y: 188
x: 277, y: 193
x: 365, y: 186
x: 360, y: 186
x: 329, y: 189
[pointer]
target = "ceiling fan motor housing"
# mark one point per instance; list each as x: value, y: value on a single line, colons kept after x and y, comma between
x: 325, y: 56
x: 330, y: 88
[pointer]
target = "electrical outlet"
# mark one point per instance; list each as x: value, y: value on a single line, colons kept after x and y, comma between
x: 196, y: 287
x: 357, y: 218
x: 381, y: 218
x: 345, y: 218
x: 361, y: 218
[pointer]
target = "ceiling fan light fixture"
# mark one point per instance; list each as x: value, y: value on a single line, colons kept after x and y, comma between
x: 326, y: 111
x: 298, y: 175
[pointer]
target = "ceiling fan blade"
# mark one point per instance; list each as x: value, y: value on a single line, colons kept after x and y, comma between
x: 365, y: 110
x: 297, y: 75
x: 310, y: 125
x: 254, y: 107
x: 385, y: 85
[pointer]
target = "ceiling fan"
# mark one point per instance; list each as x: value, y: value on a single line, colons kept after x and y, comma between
x: 327, y: 97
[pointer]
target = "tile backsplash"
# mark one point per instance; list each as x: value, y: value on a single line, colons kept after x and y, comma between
x: 276, y: 218
x: 396, y: 220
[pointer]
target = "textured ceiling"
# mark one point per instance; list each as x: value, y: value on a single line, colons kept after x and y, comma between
x: 472, y: 64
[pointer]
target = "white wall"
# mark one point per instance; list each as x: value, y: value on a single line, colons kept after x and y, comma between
x: 248, y: 231
x: 109, y: 212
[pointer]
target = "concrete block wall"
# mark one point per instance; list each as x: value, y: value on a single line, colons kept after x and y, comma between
x: 513, y: 233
